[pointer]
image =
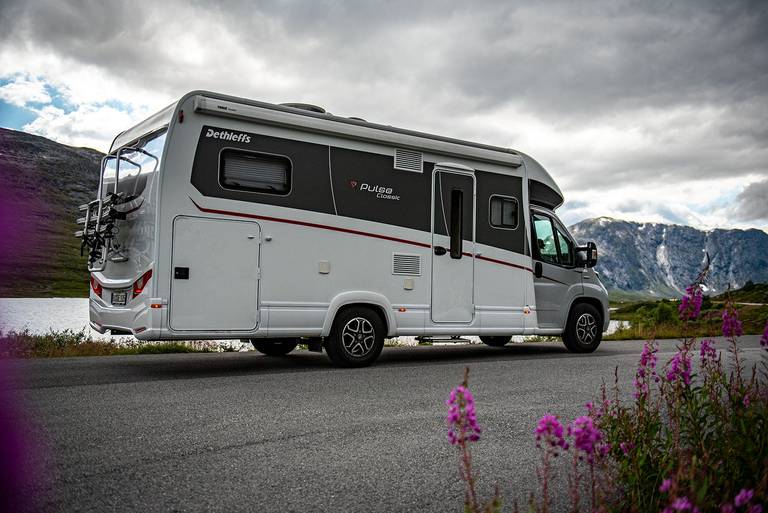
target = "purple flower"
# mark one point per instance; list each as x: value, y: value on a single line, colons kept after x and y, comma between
x: 731, y: 323
x: 462, y: 418
x: 746, y: 401
x: 585, y: 435
x: 690, y: 303
x: 665, y: 486
x: 727, y: 508
x: 680, y: 368
x: 743, y: 497
x: 764, y: 338
x: 682, y: 504
x: 756, y: 508
x: 707, y: 351
x: 626, y: 447
x: 646, y: 369
x: 550, y: 431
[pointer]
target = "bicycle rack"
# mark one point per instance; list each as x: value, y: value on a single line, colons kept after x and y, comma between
x: 98, y: 239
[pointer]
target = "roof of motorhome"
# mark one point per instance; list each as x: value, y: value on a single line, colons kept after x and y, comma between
x: 356, y: 128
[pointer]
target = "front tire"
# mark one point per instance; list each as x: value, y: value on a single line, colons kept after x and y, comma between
x: 356, y: 338
x: 496, y: 341
x: 276, y: 346
x: 584, y: 329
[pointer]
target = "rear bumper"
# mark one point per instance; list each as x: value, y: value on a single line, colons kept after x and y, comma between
x: 137, y: 319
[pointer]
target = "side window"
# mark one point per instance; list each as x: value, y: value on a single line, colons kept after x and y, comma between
x: 566, y: 248
x: 545, y: 238
x: 254, y: 172
x: 503, y: 212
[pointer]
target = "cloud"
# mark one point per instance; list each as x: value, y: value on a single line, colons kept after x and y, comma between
x: 23, y: 90
x: 644, y: 109
x: 84, y: 126
x: 753, y: 202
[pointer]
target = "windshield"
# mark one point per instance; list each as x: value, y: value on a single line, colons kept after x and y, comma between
x: 137, y: 167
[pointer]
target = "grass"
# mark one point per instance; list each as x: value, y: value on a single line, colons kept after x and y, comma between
x: 79, y: 343
x: 659, y: 319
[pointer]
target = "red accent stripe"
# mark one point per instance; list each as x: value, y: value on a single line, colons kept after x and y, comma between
x: 312, y: 225
x: 348, y: 230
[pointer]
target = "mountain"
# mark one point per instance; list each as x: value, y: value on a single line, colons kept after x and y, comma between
x: 41, y: 184
x: 662, y: 259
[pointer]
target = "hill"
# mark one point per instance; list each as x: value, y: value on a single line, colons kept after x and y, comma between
x: 41, y: 184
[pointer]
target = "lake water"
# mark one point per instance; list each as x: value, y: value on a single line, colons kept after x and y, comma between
x: 42, y: 315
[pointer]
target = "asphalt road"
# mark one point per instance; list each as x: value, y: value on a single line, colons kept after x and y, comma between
x: 245, y: 432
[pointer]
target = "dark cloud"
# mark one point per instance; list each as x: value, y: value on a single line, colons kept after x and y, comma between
x: 687, y: 79
x: 753, y: 202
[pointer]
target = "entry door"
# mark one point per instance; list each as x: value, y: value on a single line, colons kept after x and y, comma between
x: 214, y: 275
x: 453, y: 246
x: 554, y: 270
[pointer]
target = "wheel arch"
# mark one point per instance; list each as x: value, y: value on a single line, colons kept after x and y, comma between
x: 377, y: 302
x: 593, y: 301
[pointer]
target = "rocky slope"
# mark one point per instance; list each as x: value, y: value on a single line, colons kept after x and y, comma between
x: 662, y: 259
x: 41, y: 185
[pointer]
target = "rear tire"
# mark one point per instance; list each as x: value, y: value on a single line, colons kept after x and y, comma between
x: 496, y: 341
x: 584, y: 329
x: 275, y: 346
x: 356, y: 338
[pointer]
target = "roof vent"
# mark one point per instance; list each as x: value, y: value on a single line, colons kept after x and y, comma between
x: 357, y: 119
x: 408, y: 160
x: 305, y: 106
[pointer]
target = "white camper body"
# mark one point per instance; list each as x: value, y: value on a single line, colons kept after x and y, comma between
x: 224, y: 218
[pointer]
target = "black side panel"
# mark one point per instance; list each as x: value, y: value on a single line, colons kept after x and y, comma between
x: 543, y: 195
x: 367, y: 186
x: 489, y: 184
x: 310, y: 181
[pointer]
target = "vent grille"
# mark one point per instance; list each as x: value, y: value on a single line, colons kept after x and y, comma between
x: 405, y: 264
x: 408, y: 160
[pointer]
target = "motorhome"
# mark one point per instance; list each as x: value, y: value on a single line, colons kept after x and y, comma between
x: 226, y: 218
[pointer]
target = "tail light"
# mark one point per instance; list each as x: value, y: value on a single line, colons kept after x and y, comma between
x: 96, y: 286
x: 138, y: 286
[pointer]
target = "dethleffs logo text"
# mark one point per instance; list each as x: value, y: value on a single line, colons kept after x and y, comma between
x: 381, y: 191
x: 228, y: 136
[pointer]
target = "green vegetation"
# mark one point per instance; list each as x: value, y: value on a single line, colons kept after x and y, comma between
x: 749, y: 293
x: 79, y: 343
x: 659, y: 319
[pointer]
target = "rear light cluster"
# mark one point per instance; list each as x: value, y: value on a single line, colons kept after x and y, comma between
x: 96, y: 286
x: 138, y: 286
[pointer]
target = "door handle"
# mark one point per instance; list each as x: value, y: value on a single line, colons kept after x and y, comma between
x: 440, y: 250
x: 538, y: 270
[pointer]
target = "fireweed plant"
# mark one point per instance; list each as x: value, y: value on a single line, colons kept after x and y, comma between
x: 693, y: 438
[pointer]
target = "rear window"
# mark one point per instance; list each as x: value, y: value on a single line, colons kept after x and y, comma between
x: 255, y: 172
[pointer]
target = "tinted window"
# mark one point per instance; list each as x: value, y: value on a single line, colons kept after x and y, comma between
x: 566, y: 248
x: 136, y: 167
x: 545, y: 238
x: 503, y: 212
x: 255, y: 172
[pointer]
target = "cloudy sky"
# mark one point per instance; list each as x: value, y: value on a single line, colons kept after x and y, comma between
x: 648, y: 111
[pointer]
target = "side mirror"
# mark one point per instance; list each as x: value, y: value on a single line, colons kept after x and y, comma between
x: 586, y: 256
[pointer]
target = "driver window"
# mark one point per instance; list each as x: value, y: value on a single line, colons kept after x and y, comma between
x: 566, y: 248
x: 545, y: 238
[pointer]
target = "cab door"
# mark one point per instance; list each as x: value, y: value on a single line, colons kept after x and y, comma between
x: 556, y: 278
